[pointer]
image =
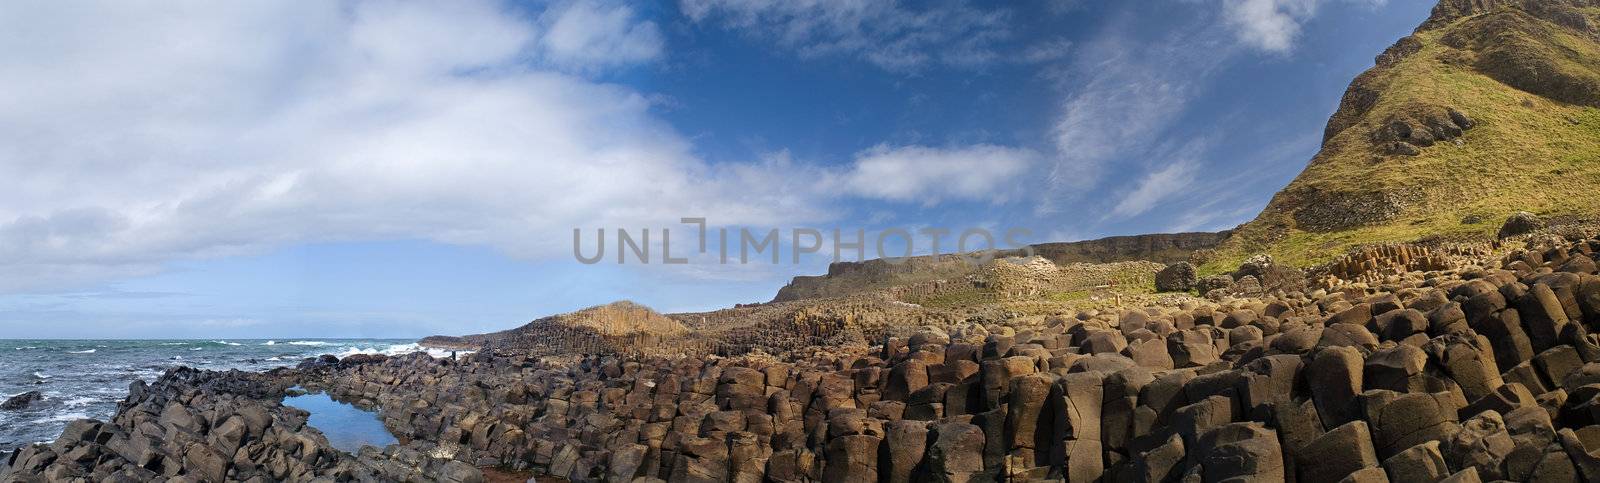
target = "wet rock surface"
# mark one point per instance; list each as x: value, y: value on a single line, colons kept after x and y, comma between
x: 21, y: 401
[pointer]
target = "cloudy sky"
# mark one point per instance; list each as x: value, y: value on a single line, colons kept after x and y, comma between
x: 399, y: 169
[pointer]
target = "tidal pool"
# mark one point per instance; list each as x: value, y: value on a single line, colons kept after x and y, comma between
x: 347, y: 427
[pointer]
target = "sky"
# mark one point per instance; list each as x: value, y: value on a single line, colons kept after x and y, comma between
x: 400, y: 169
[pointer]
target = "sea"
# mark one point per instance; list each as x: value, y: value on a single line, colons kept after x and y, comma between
x: 87, y: 378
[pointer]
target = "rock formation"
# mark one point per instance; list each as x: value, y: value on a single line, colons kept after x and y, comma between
x: 21, y: 401
x: 1394, y: 363
x: 1486, y: 109
x: 850, y: 278
x: 1486, y: 370
x: 1177, y: 277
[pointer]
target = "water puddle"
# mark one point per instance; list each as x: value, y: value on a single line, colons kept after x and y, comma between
x: 347, y: 427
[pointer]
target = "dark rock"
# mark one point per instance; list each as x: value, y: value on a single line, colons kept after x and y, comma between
x: 1482, y: 444
x: 1335, y: 377
x: 956, y: 454
x: 1336, y: 454
x: 1248, y: 456
x: 21, y: 401
x: 1520, y: 223
x: 906, y: 444
x: 1214, y: 282
x: 1405, y: 420
x: 852, y: 458
x: 1177, y: 277
x: 1423, y: 463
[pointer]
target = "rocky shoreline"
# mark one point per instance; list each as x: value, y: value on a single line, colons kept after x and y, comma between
x: 1474, y: 374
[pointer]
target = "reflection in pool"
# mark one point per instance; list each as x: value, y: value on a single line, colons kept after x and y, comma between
x: 347, y: 427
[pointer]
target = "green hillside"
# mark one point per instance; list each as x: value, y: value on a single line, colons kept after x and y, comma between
x: 1524, y: 78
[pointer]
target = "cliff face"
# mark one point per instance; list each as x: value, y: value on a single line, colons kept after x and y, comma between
x: 846, y: 278
x: 1158, y: 247
x: 1488, y: 108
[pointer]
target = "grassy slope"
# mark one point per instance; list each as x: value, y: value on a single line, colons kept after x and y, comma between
x: 1516, y: 157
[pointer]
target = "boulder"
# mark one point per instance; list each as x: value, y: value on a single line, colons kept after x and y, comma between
x: 1520, y: 223
x: 1543, y: 316
x: 852, y: 458
x: 906, y: 443
x: 1160, y: 464
x: 1335, y: 377
x: 21, y: 401
x: 1398, y: 368
x: 1421, y: 463
x: 1215, y: 282
x: 1254, y: 457
x: 1336, y: 454
x: 1035, y: 419
x: 1482, y: 444
x: 1401, y: 421
x: 956, y: 455
x: 1469, y: 361
x: 1177, y: 277
x: 1367, y: 475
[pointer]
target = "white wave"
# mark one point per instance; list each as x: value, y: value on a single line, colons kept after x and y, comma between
x: 90, y: 351
x: 310, y: 342
x: 27, y: 347
x: 271, y: 342
x: 223, y: 342
x: 81, y: 401
x: 400, y: 349
x: 40, y: 375
x: 174, y: 343
x: 273, y: 359
x: 196, y: 348
x: 64, y: 417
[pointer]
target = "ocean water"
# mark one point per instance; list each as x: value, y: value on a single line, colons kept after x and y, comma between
x: 86, y: 378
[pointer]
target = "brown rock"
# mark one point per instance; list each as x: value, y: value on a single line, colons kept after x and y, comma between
x: 1421, y: 463
x: 1335, y: 377
x: 852, y: 458
x: 1336, y: 454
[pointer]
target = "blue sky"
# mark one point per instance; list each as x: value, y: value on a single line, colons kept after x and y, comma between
x: 400, y: 169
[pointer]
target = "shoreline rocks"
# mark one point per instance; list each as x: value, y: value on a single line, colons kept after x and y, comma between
x: 1488, y: 371
x: 21, y: 401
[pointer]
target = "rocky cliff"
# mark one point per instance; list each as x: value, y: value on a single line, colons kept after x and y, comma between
x: 846, y: 278
x: 1157, y: 247
x: 1486, y: 109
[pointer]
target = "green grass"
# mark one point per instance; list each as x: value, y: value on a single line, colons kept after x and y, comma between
x: 1517, y: 157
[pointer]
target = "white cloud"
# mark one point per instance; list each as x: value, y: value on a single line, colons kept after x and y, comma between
x: 1047, y: 51
x: 1124, y: 95
x: 139, y: 134
x: 592, y: 34
x: 883, y: 33
x: 1272, y: 25
x: 928, y: 175
x: 1155, y: 187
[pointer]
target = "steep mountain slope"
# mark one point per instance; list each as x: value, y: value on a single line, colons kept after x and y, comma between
x: 1487, y: 109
